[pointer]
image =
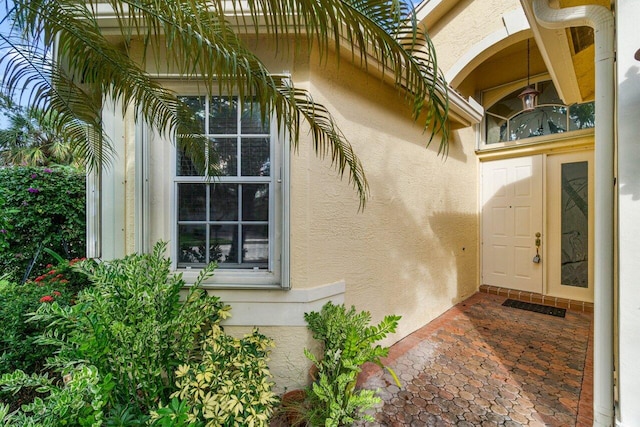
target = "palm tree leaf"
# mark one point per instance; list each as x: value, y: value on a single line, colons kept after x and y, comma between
x: 327, y: 137
x: 203, y: 40
x: 381, y: 29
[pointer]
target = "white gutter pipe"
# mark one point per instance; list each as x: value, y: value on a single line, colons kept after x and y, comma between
x: 601, y: 20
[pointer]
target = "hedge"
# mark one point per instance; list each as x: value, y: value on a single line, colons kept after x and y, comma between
x: 40, y: 208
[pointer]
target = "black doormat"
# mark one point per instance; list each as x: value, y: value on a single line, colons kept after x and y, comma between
x: 538, y: 308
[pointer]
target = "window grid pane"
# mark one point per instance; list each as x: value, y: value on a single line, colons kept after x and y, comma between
x: 505, y: 120
x: 233, y: 226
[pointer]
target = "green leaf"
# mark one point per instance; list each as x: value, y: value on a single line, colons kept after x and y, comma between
x: 199, y: 40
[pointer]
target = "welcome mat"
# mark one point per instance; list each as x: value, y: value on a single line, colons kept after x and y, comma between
x: 538, y: 308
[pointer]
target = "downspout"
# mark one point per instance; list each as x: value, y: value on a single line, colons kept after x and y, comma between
x: 601, y: 20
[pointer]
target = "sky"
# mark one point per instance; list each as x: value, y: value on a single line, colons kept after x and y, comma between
x: 4, y: 29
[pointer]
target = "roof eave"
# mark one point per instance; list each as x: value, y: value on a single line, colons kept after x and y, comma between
x: 463, y: 112
x: 555, y: 51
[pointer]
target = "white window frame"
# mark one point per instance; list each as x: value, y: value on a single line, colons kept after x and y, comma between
x: 483, y: 145
x: 277, y: 274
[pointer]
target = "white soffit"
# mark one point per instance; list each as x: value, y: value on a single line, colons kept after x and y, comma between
x: 554, y: 48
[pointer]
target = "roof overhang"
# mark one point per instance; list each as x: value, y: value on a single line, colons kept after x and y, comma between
x: 556, y: 53
x: 463, y: 112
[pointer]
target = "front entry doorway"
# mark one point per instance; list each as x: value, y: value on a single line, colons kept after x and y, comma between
x: 511, y: 217
x: 537, y: 224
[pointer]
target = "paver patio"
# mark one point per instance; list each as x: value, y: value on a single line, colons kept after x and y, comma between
x: 483, y: 364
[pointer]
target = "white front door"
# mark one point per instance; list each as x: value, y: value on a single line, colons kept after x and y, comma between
x: 512, y: 215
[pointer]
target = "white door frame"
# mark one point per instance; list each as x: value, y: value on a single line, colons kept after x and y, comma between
x: 548, y: 160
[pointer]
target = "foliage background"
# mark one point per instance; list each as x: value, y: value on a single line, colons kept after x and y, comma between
x: 18, y: 349
x: 46, y: 205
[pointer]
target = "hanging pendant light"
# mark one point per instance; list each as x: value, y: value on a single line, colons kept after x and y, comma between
x: 529, y: 95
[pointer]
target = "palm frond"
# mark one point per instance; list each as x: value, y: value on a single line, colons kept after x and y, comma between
x: 383, y: 30
x: 202, y: 39
x: 70, y: 110
x: 328, y: 139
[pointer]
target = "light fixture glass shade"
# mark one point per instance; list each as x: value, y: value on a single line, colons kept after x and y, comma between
x: 529, y: 97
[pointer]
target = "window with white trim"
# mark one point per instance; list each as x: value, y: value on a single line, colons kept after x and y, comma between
x: 236, y: 218
x: 505, y: 121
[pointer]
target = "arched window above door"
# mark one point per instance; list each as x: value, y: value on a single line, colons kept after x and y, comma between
x: 506, y: 121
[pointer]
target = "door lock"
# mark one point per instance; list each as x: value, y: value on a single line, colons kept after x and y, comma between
x: 536, y: 258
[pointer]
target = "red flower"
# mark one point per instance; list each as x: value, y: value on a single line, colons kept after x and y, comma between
x: 56, y: 293
x: 64, y: 281
x: 46, y: 298
x: 60, y: 276
x: 52, y: 272
x: 49, y: 265
x: 39, y: 279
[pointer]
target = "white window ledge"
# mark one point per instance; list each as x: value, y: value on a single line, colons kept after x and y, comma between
x: 277, y: 307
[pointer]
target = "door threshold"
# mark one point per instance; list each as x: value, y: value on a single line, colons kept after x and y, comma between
x: 533, y: 297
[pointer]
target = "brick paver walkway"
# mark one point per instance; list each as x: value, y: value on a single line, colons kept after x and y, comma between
x: 482, y: 364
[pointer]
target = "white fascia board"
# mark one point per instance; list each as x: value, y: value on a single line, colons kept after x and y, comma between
x: 466, y: 112
x: 430, y: 11
x: 554, y: 48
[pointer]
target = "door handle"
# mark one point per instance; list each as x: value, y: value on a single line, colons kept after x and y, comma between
x: 536, y: 258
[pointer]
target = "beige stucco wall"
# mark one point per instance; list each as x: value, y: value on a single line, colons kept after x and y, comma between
x: 467, y: 24
x: 413, y: 251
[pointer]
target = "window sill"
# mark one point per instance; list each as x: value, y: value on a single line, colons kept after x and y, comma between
x: 233, y: 279
x: 265, y: 307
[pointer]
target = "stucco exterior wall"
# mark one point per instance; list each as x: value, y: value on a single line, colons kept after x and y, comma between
x: 628, y: 99
x: 466, y: 25
x: 413, y: 251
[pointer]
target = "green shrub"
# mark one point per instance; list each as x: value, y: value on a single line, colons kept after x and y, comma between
x: 6, y: 227
x: 44, y: 205
x: 142, y: 356
x: 348, y: 343
x: 228, y: 384
x: 176, y: 414
x: 18, y: 348
x: 132, y: 326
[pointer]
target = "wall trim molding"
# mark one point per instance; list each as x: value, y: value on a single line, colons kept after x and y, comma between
x: 262, y: 307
